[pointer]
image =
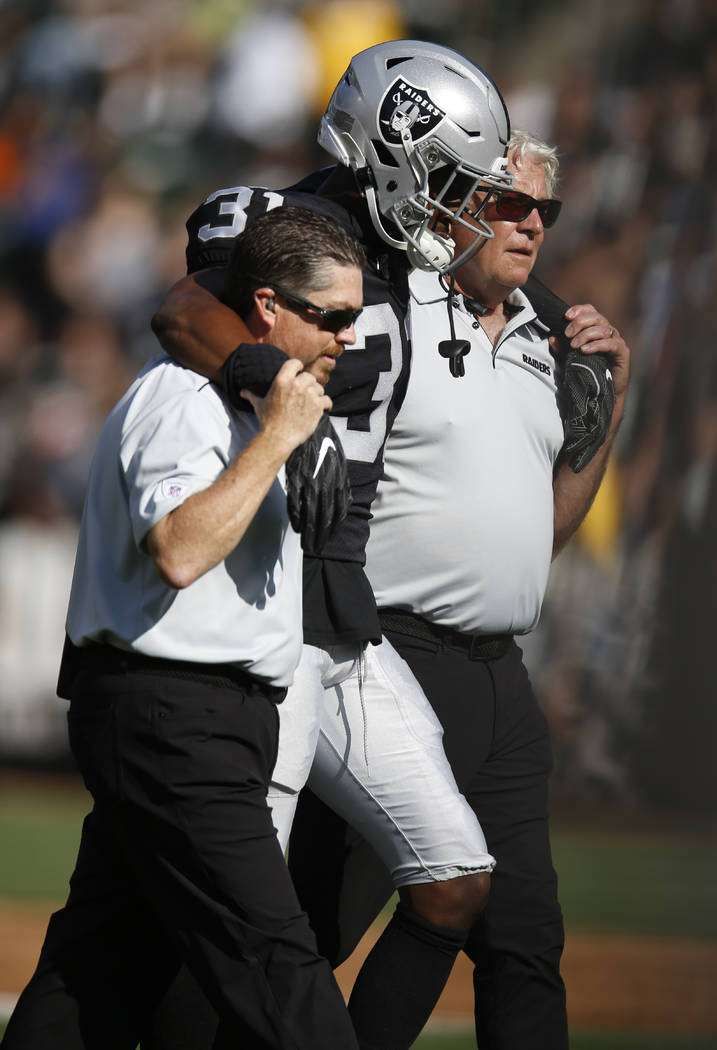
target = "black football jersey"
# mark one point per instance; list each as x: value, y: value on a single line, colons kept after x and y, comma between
x: 367, y: 387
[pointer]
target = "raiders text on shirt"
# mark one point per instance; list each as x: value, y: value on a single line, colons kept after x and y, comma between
x: 540, y: 365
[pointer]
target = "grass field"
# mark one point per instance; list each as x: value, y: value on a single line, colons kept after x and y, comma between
x: 663, y: 884
x: 637, y: 881
x: 40, y: 824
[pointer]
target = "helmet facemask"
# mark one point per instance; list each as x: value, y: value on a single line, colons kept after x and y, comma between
x: 444, y: 197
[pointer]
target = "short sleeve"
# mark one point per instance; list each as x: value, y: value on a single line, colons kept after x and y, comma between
x: 178, y: 448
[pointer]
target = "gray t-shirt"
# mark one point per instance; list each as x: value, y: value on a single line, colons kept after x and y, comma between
x: 170, y: 436
x: 462, y: 527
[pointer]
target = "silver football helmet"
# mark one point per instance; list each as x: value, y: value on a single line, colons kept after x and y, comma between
x: 423, y: 128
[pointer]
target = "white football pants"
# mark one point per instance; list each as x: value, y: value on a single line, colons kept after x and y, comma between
x: 356, y: 725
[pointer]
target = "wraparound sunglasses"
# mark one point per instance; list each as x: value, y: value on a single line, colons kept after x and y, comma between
x: 515, y: 207
x: 333, y: 320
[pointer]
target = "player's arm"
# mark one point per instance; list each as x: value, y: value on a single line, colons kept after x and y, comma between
x: 573, y: 493
x: 209, y: 524
x: 192, y: 324
x: 195, y: 328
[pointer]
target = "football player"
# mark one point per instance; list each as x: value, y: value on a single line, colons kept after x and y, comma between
x: 416, y: 129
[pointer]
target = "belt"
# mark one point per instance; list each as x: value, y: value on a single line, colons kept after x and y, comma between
x: 475, y: 646
x: 108, y: 659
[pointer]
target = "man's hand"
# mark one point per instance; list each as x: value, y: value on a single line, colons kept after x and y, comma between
x: 292, y: 408
x: 596, y: 372
x: 318, y: 493
x: 592, y: 333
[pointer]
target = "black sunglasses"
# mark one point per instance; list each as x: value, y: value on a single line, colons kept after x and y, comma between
x: 516, y: 206
x: 331, y: 320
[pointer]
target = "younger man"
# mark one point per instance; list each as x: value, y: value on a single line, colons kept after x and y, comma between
x: 184, y: 631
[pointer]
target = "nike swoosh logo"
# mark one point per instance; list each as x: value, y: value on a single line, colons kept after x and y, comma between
x: 326, y: 444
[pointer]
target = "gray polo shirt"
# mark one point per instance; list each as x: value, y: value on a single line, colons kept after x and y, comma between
x: 170, y: 436
x: 462, y: 527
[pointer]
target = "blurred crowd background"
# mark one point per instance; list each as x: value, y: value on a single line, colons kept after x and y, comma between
x: 118, y: 116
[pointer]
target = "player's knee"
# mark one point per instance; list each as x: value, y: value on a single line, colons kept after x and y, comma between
x: 454, y: 903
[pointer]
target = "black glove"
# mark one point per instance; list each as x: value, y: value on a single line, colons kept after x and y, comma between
x: 252, y: 366
x: 588, y: 401
x: 588, y: 394
x: 318, y: 493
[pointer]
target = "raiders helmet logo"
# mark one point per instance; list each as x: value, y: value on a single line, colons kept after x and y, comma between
x: 405, y: 107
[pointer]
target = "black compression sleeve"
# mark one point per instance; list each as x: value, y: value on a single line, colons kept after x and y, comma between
x: 252, y: 366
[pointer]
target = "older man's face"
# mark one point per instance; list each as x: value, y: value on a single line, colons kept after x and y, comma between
x: 504, y: 263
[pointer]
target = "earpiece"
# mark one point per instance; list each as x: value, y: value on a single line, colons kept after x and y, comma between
x: 270, y: 305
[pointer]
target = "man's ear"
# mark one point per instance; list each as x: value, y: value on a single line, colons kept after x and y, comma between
x: 264, y: 307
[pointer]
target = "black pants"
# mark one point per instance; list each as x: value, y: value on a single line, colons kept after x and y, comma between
x: 178, y: 861
x: 496, y: 739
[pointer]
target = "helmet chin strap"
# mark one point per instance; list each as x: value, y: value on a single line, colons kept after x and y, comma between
x: 427, y: 251
x: 431, y: 251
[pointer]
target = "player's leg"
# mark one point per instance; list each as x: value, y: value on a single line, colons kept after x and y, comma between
x: 380, y: 763
x: 299, y: 724
x: 496, y: 739
x: 377, y: 734
x: 340, y: 880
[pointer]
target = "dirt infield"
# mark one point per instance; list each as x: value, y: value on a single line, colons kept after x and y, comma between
x: 613, y: 982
